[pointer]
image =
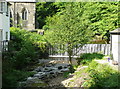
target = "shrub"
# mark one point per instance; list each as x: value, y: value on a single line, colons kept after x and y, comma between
x: 88, y: 57
x: 24, y: 48
x: 101, y: 76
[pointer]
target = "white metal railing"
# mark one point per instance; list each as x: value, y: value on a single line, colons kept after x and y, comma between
x: 87, y: 48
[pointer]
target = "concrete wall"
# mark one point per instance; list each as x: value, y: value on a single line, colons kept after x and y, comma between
x: 116, y: 47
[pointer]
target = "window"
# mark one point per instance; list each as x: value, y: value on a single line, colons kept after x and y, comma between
x: 24, y: 14
x: 6, y: 35
x: 11, y: 18
x: 18, y: 20
x: 7, y: 10
x: 1, y: 36
x: 2, y: 6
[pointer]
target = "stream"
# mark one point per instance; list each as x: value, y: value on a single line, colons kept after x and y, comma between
x: 50, y: 74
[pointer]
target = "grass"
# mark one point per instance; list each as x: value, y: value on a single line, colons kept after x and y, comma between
x: 86, y: 58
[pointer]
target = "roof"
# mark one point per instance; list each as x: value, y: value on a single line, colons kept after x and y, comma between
x: 21, y: 0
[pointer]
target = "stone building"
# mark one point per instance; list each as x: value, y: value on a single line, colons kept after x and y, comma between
x: 22, y: 14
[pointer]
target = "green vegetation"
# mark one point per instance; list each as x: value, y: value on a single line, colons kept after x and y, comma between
x: 38, y: 84
x: 86, y: 58
x: 66, y: 74
x: 99, y: 76
x: 67, y: 24
x: 99, y: 17
x: 67, y: 30
x: 25, y: 48
x: 78, y: 23
x: 43, y: 10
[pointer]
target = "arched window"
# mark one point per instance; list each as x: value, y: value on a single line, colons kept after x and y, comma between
x: 18, y: 20
x: 24, y: 14
x: 11, y: 18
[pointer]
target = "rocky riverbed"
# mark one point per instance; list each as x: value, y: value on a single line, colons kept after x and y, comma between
x: 48, y: 75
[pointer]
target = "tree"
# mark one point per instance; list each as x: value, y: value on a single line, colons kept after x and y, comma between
x: 68, y: 28
x: 103, y: 17
x: 44, y: 9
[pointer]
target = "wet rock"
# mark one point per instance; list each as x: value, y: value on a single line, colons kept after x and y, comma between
x: 21, y: 84
x: 54, y: 68
x: 65, y: 67
x: 31, y: 79
x: 51, y: 72
x: 59, y: 67
x: 65, y: 70
x: 49, y: 65
x: 40, y: 73
x: 37, y: 75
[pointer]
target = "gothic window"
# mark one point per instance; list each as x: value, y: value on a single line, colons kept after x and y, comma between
x: 11, y: 18
x: 24, y: 14
x: 2, y: 6
x: 18, y: 20
x: 6, y: 35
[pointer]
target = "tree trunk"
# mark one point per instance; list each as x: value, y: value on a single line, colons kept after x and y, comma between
x: 70, y: 59
x: 70, y: 52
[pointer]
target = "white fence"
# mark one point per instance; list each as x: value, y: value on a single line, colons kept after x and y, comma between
x: 87, y: 48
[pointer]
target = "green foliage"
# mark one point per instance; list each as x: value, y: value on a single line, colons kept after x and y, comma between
x: 86, y: 58
x: 68, y: 28
x: 100, y: 17
x: 101, y: 76
x: 66, y: 74
x: 27, y: 43
x: 98, y: 42
x: 25, y: 48
x: 76, y: 22
x: 11, y: 78
x: 43, y: 10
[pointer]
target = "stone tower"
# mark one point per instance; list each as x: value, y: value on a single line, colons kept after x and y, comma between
x: 22, y: 14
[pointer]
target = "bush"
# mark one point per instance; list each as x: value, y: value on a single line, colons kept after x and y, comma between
x: 101, y: 76
x: 11, y: 78
x: 88, y: 57
x: 25, y: 48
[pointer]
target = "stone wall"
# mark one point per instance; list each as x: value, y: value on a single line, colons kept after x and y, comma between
x: 16, y: 12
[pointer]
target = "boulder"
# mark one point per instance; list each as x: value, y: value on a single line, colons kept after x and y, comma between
x: 65, y: 70
x: 31, y: 79
x: 60, y: 67
x: 52, y: 72
x: 37, y: 75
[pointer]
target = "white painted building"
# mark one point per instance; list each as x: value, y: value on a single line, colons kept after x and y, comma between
x: 4, y: 21
x: 4, y: 25
x: 115, y: 42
